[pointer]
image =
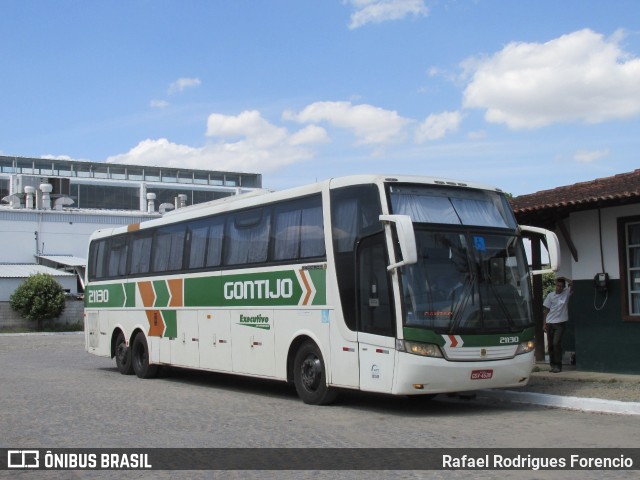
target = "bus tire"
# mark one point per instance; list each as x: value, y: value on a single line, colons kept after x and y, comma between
x: 123, y: 355
x: 309, y: 376
x: 140, y: 358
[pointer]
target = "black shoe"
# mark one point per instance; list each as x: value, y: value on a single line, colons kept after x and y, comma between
x: 555, y: 370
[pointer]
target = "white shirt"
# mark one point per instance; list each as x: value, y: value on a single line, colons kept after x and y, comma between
x: 558, y: 305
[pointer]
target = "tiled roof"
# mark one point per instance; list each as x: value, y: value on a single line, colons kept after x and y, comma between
x: 622, y: 188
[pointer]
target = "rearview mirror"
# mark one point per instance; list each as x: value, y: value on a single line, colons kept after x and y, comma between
x: 406, y: 239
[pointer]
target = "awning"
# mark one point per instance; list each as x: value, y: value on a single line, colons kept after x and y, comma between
x: 26, y: 270
x: 66, y: 260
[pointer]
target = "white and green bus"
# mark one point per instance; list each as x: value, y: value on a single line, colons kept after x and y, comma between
x: 404, y: 285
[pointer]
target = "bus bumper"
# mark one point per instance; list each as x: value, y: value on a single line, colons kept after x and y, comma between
x: 416, y: 375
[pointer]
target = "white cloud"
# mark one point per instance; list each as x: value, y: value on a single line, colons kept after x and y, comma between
x: 249, y: 124
x: 183, y: 83
x: 582, y: 76
x: 371, y: 125
x: 477, y: 135
x: 588, y: 156
x: 377, y: 11
x: 159, y: 152
x: 57, y: 157
x: 437, y: 126
x: 158, y: 103
x: 309, y: 134
x: 247, y: 143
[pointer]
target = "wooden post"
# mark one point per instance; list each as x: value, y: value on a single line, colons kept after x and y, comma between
x: 536, y: 260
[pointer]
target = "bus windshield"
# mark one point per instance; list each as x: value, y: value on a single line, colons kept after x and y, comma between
x: 467, y: 282
x: 471, y: 275
x: 451, y: 206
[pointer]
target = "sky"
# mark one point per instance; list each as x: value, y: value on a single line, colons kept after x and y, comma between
x: 522, y: 95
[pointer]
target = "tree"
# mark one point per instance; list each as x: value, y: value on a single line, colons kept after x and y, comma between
x: 548, y: 284
x: 38, y: 298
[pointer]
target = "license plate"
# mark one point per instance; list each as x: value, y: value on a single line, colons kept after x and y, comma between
x: 481, y: 374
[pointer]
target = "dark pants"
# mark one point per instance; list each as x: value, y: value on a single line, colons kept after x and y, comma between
x: 554, y: 342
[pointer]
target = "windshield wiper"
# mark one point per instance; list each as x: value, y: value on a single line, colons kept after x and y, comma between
x: 459, y: 307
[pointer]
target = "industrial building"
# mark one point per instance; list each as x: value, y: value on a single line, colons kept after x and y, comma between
x: 50, y: 208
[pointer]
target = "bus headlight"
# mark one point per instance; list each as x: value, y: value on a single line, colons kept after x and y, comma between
x: 422, y: 349
x: 525, y: 347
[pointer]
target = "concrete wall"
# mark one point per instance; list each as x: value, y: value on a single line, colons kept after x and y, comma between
x: 73, y: 314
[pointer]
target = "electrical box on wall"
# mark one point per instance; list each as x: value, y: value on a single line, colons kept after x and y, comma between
x: 601, y: 281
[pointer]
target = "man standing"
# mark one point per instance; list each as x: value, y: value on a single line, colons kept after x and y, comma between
x: 556, y: 315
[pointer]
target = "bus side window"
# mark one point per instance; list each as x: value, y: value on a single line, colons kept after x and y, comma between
x: 168, y: 248
x: 297, y: 230
x: 140, y: 254
x: 96, y: 259
x: 204, y: 238
x: 117, y: 257
x: 247, y: 237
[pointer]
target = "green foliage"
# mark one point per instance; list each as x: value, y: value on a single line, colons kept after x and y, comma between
x: 548, y: 283
x: 38, y: 298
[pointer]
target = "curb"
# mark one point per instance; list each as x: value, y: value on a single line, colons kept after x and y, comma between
x: 570, y: 403
x: 34, y: 334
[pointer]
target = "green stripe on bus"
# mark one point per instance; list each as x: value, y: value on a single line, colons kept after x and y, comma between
x: 130, y: 293
x: 170, y: 318
x: 162, y: 293
x: 484, y: 340
x: 274, y: 288
x: 279, y: 288
x: 319, y: 279
x: 115, y: 295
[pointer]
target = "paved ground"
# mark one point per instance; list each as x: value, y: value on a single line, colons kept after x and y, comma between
x: 576, y: 390
x: 608, y: 386
x: 592, y: 391
x: 96, y: 407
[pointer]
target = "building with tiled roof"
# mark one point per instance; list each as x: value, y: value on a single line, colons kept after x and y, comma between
x: 598, y: 225
x: 547, y: 205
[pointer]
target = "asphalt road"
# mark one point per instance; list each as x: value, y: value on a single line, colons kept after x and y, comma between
x: 55, y: 395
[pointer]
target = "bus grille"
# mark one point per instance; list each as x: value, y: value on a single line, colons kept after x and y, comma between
x: 469, y: 354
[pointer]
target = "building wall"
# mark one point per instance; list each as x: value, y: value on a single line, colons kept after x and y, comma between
x: 73, y: 314
x: 601, y: 340
x: 30, y: 232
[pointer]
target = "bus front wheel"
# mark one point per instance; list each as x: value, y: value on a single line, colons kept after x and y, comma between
x: 123, y: 355
x: 309, y: 376
x: 140, y: 358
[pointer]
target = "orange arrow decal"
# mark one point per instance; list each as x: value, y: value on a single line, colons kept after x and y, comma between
x: 306, y: 286
x: 146, y: 293
x: 156, y: 323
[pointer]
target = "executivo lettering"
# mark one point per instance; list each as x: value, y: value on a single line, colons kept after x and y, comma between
x: 258, y: 289
x: 258, y: 321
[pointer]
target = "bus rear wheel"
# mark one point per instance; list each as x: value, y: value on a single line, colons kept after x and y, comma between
x: 309, y: 376
x: 140, y: 358
x: 123, y: 355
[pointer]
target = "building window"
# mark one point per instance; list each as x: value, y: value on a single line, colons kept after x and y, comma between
x: 629, y: 241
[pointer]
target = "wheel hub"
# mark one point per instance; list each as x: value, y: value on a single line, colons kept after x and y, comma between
x: 311, y: 373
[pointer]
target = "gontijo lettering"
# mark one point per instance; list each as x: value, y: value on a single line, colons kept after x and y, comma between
x: 258, y: 289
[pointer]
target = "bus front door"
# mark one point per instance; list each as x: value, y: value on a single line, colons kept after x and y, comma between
x: 376, y: 322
